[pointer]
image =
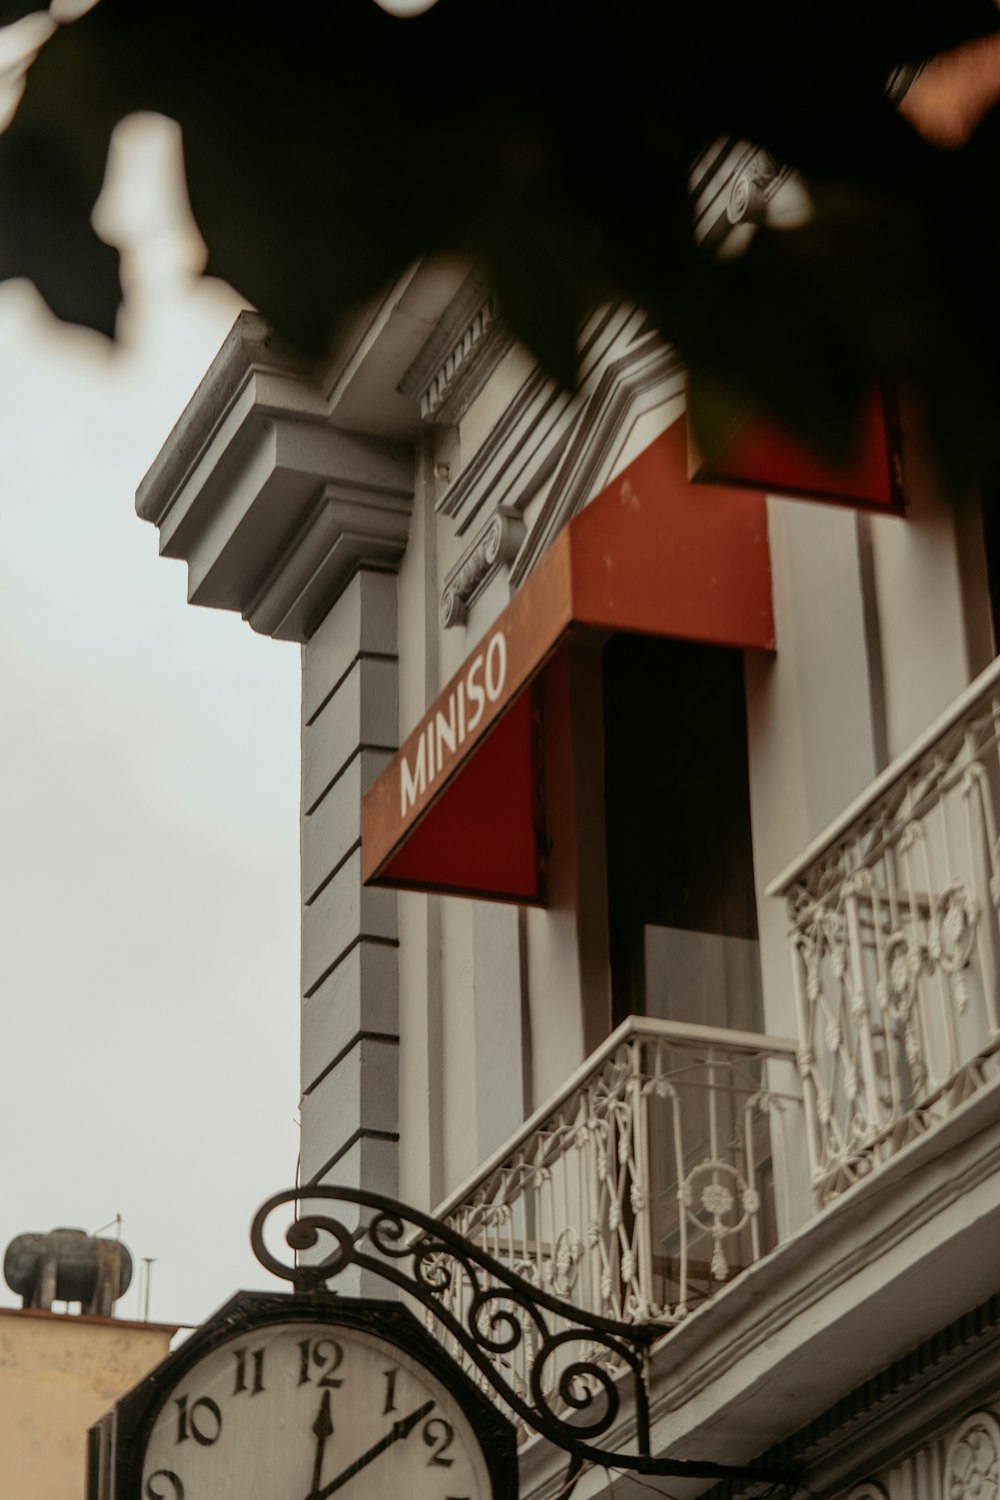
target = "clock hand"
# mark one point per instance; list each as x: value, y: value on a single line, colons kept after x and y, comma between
x: 400, y: 1429
x: 323, y: 1428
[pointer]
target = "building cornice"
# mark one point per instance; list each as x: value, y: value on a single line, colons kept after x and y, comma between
x: 280, y: 480
x: 69, y: 1321
x: 251, y: 366
x: 460, y: 355
x: 933, y: 1383
x: 271, y: 506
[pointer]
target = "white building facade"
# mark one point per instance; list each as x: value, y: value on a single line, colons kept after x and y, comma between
x: 711, y: 1034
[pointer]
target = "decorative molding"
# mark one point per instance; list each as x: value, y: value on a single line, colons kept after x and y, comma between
x: 869, y: 1489
x: 748, y: 193
x: 883, y: 1422
x: 365, y: 383
x: 710, y: 183
x: 274, y: 525
x: 548, y: 437
x: 494, y: 546
x: 467, y: 367
x: 972, y: 1460
x: 524, y: 447
x: 459, y: 356
x: 276, y: 464
x: 251, y: 372
x: 735, y: 188
x: 446, y: 332
x: 345, y: 530
x: 271, y: 505
x: 502, y: 468
x: 647, y: 375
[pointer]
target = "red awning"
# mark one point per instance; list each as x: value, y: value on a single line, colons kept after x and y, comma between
x: 762, y: 455
x: 458, y: 807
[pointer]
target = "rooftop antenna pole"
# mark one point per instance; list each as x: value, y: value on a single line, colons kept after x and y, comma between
x: 147, y: 1261
x: 116, y: 1225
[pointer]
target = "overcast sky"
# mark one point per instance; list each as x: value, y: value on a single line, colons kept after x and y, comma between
x: 148, y: 805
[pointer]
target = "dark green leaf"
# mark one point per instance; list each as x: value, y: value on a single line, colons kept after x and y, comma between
x: 330, y: 145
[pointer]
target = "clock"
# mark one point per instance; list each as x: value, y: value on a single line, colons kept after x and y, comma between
x: 309, y: 1397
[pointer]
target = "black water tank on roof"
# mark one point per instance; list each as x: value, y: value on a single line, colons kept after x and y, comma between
x: 68, y: 1265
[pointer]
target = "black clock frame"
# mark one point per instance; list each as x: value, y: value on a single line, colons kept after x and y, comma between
x: 248, y: 1312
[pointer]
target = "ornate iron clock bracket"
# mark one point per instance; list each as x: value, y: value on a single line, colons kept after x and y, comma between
x: 492, y: 1313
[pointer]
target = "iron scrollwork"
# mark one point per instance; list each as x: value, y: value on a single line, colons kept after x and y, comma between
x: 500, y: 1315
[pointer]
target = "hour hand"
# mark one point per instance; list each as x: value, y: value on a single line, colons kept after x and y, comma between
x: 323, y: 1429
x: 399, y: 1429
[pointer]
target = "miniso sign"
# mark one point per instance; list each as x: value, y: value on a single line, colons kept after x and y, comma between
x: 442, y: 739
x: 652, y: 554
x: 494, y: 673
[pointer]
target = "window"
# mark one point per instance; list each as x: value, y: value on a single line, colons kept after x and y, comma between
x: 682, y: 909
x: 683, y: 936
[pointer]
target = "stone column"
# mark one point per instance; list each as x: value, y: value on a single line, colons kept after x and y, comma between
x: 350, y: 989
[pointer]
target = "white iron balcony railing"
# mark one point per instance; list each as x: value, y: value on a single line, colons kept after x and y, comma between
x: 895, y: 944
x: 658, y: 1172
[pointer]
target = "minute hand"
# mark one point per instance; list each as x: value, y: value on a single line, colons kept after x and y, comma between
x: 400, y: 1429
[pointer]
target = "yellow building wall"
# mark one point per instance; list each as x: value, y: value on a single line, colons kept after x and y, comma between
x: 58, y: 1375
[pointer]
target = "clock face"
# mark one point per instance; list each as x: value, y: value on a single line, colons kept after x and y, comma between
x: 302, y: 1411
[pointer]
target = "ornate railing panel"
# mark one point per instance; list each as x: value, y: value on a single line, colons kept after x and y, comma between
x: 656, y: 1175
x: 586, y: 1371
x: 895, y: 943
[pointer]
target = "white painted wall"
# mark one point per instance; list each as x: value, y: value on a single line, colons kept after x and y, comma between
x: 879, y: 624
x: 933, y: 608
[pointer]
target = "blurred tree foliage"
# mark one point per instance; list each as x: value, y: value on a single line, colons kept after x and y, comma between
x: 328, y: 144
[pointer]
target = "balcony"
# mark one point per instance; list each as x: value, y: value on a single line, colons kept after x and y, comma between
x: 678, y: 1156
x: 895, y: 937
x: 659, y: 1172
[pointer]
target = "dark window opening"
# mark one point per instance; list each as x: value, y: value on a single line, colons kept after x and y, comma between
x: 682, y: 909
x: 683, y: 941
